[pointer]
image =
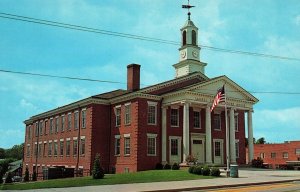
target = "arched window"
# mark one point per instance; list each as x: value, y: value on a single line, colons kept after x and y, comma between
x: 194, y: 37
x: 184, y: 38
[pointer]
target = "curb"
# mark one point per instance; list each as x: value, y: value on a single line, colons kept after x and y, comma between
x: 223, y: 186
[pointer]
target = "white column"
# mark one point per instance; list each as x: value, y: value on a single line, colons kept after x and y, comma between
x: 250, y: 137
x: 164, y: 136
x: 186, y: 131
x: 232, y: 137
x: 208, y: 135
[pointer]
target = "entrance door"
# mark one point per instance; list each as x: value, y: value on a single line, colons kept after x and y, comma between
x: 175, y: 150
x: 198, y: 150
x: 218, y: 151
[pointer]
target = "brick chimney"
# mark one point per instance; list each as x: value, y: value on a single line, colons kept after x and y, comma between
x: 133, y: 77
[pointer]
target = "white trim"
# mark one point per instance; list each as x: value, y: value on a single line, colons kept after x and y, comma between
x: 55, y: 140
x: 40, y: 142
x: 82, y: 137
x: 152, y: 103
x: 75, y: 138
x: 175, y: 107
x: 68, y: 139
x: 126, y: 104
x: 126, y: 135
x: 83, y: 109
x: 117, y: 136
x: 80, y: 167
x: 61, y: 140
x: 28, y: 144
x: 35, y: 143
x: 50, y: 141
x: 152, y: 135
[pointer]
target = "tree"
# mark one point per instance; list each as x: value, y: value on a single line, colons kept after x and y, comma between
x: 16, y: 152
x: 34, y: 178
x: 4, y: 167
x: 2, y: 153
x: 26, y: 177
x: 98, y: 172
x: 246, y: 141
x: 261, y: 141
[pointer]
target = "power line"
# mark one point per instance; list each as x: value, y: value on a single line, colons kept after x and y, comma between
x: 131, y: 36
x: 117, y: 82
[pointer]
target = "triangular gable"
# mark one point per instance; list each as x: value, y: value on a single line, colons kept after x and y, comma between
x: 232, y: 89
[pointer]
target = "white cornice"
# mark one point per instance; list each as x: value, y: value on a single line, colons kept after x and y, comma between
x: 134, y: 95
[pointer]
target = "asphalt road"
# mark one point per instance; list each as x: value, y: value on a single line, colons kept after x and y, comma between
x: 280, y: 187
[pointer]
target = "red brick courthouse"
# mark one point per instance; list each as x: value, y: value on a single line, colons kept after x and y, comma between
x: 137, y: 128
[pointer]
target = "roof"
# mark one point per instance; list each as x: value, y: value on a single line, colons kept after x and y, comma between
x: 111, y: 94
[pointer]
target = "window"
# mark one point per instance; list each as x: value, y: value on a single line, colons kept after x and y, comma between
x: 51, y: 126
x: 285, y: 155
x: 151, y: 144
x: 151, y: 116
x: 236, y: 122
x: 55, y: 148
x: 262, y: 155
x: 75, y: 147
x: 45, y: 127
x: 68, y: 148
x: 297, y: 151
x: 197, y: 119
x: 217, y: 148
x: 61, y: 147
x: 44, y: 150
x: 35, y: 149
x: 29, y: 132
x: 237, y: 149
x: 127, y: 114
x: 117, y: 144
x: 273, y: 155
x: 69, y: 120
x: 62, y: 123
x: 83, y: 118
x: 36, y: 129
x: 184, y: 38
x: 127, y: 146
x: 76, y: 120
x: 217, y: 121
x: 194, y: 40
x: 174, y: 117
x: 41, y: 128
x: 56, y: 125
x: 174, y: 146
x: 40, y: 149
x: 82, y: 146
x: 118, y: 115
x: 49, y: 148
x: 28, y: 150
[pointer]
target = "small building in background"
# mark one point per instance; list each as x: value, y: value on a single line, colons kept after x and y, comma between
x: 279, y: 155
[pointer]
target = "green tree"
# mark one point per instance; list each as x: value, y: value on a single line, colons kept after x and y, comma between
x: 16, y: 152
x: 34, y: 178
x: 26, y: 177
x: 2, y: 153
x: 98, y: 172
x: 261, y: 141
x: 4, y: 167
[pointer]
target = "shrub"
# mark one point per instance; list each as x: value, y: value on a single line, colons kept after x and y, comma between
x: 34, y: 176
x: 26, y: 177
x: 175, y: 166
x: 191, y: 159
x: 258, y: 163
x: 167, y: 166
x: 215, y: 171
x: 159, y: 166
x: 8, y: 178
x: 191, y: 169
x: 197, y: 170
x: 98, y: 172
x: 205, y: 171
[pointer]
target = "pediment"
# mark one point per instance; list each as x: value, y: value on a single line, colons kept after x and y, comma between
x: 232, y: 90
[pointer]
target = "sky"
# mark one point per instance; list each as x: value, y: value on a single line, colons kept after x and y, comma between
x: 265, y: 26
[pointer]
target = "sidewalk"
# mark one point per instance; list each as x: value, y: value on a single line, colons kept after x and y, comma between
x: 246, y: 177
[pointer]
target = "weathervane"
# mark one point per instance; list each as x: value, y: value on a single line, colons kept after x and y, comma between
x: 188, y: 6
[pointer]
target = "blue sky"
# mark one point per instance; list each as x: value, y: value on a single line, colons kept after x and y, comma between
x: 266, y: 26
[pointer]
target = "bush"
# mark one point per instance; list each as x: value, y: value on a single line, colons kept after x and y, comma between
x: 197, y: 170
x: 258, y: 163
x: 8, y: 178
x: 205, y: 171
x: 159, y: 166
x: 215, y: 171
x: 98, y: 172
x: 191, y: 169
x: 191, y: 159
x: 26, y: 177
x: 175, y: 166
x: 167, y: 166
x: 34, y: 176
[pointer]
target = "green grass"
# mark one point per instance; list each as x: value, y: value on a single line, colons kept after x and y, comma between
x: 139, y: 177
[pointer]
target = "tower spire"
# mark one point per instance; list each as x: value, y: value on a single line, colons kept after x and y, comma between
x: 188, y: 6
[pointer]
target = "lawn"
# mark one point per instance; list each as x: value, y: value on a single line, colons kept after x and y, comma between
x: 139, y: 177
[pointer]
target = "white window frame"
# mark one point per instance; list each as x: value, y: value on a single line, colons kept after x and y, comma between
x: 76, y: 120
x: 151, y: 136
x: 197, y: 111
x: 127, y: 119
x: 220, y: 119
x: 273, y: 155
x: 56, y: 124
x: 69, y: 119
x: 82, y: 148
x: 83, y: 118
x: 118, y: 115
x: 127, y: 145
x: 41, y: 127
x: 177, y: 109
x: 75, y: 152
x: 28, y: 150
x: 51, y: 126
x: 262, y: 155
x: 285, y: 155
x: 63, y: 122
x: 297, y: 151
x: 117, y: 147
x: 150, y: 114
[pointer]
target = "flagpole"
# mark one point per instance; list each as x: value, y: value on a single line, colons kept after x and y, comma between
x: 227, y: 138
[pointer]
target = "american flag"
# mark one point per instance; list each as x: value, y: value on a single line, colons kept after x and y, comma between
x: 220, y: 97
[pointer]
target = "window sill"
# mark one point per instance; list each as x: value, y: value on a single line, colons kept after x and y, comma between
x: 151, y: 155
x: 153, y: 124
x: 128, y: 124
x: 217, y: 129
x: 117, y: 155
x: 176, y: 126
x: 197, y: 127
x: 126, y: 155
